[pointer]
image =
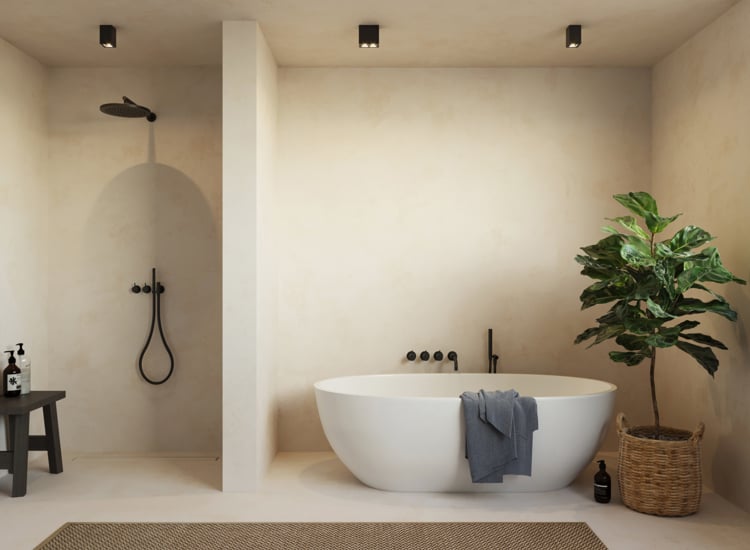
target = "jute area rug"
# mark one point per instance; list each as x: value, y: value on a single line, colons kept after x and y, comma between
x: 334, y: 536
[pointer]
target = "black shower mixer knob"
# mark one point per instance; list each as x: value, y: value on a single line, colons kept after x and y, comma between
x: 411, y: 356
x: 438, y: 355
x: 424, y: 356
x: 135, y: 289
x: 147, y: 288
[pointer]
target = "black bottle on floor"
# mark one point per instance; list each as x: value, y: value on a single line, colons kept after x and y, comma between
x: 602, y: 484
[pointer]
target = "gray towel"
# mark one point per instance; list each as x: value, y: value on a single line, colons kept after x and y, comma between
x: 499, y: 434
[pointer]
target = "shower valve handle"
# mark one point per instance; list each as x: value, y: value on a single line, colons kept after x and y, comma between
x: 424, y: 356
x: 147, y: 288
x: 453, y: 356
x: 411, y: 356
x: 135, y: 289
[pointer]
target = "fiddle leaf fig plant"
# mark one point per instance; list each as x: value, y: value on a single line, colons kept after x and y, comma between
x: 646, y: 278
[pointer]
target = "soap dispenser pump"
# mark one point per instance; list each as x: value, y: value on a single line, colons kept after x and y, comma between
x: 11, y: 377
x: 24, y: 363
x: 602, y: 484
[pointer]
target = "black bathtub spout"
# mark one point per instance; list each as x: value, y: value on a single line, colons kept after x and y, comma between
x: 492, y: 358
x: 453, y: 356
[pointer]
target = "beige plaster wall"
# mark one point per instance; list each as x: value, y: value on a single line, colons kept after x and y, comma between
x: 701, y: 139
x: 126, y: 196
x: 249, y: 110
x: 267, y: 95
x: 415, y: 208
x: 23, y: 223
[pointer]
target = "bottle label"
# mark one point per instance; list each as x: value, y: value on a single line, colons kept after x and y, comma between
x: 13, y: 381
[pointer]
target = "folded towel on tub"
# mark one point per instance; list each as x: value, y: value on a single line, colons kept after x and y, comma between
x: 499, y: 434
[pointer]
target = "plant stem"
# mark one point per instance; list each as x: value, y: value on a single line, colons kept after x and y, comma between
x: 653, y: 391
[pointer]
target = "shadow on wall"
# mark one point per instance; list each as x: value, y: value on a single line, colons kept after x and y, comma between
x: 153, y: 215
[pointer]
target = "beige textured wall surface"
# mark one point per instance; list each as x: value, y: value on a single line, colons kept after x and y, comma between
x: 701, y: 139
x: 416, y: 208
x: 23, y: 223
x: 126, y: 196
x: 267, y: 95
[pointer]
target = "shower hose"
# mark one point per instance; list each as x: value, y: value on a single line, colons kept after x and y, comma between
x: 156, y: 290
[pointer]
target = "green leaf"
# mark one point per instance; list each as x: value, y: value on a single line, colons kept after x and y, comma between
x: 640, y: 203
x: 602, y: 333
x: 704, y: 339
x: 636, y: 252
x: 704, y: 356
x: 657, y: 224
x: 630, y: 358
x: 606, y: 249
x: 690, y: 306
x: 711, y: 292
x: 689, y: 277
x: 664, y: 271
x: 586, y: 334
x: 661, y: 250
x: 657, y: 310
x: 632, y: 342
x: 607, y: 332
x: 647, y: 287
x: 662, y: 339
x: 602, y: 292
x: 635, y: 320
x: 630, y: 223
x: 684, y: 325
x: 688, y: 238
x: 714, y: 271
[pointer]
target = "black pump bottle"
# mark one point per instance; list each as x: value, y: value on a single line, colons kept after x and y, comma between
x: 602, y: 484
x: 11, y: 378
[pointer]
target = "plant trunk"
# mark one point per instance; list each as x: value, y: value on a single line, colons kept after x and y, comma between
x: 653, y: 392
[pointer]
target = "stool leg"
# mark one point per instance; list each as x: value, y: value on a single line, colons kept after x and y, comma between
x: 20, y: 423
x: 9, y: 438
x: 52, y: 432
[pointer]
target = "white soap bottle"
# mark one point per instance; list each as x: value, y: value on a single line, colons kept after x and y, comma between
x: 24, y: 363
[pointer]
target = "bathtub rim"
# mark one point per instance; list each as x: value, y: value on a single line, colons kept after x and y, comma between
x: 320, y: 385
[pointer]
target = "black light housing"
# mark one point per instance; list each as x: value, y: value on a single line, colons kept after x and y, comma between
x: 108, y: 36
x: 369, y: 36
x: 573, y: 36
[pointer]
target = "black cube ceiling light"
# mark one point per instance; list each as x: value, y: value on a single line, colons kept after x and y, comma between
x: 108, y: 36
x: 573, y: 36
x: 369, y: 36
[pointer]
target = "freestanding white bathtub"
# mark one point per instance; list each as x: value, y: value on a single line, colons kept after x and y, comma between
x: 405, y: 432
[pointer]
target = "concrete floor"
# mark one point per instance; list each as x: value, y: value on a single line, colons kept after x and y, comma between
x: 317, y: 487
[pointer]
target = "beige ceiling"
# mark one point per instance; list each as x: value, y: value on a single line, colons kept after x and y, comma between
x: 313, y: 33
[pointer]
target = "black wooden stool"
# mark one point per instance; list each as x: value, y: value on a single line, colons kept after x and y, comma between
x: 15, y: 459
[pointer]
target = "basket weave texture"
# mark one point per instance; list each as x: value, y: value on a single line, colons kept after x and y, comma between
x: 658, y: 477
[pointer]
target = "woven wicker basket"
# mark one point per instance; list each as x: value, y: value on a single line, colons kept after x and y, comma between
x: 658, y: 477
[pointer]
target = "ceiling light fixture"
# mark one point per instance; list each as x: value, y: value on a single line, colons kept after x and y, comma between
x: 369, y: 36
x: 108, y: 36
x: 573, y: 36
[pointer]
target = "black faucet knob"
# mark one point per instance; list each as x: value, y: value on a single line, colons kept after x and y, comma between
x: 411, y: 356
x: 135, y: 289
x: 424, y: 356
x: 147, y: 288
x: 453, y: 356
x: 438, y: 355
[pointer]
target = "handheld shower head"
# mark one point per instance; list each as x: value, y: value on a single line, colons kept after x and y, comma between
x: 128, y: 109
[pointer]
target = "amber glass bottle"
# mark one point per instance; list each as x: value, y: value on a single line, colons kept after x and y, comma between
x: 11, y: 378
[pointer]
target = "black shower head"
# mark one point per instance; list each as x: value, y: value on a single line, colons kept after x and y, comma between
x: 129, y: 109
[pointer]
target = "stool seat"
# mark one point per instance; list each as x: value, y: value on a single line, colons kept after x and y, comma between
x: 17, y: 410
